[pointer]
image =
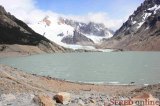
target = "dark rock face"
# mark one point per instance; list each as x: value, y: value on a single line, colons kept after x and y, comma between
x: 95, y: 29
x: 83, y: 31
x: 14, y: 31
x: 76, y: 39
x: 141, y: 31
x: 61, y: 34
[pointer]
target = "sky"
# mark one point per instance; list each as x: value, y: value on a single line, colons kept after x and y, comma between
x: 115, y: 8
x: 110, y: 12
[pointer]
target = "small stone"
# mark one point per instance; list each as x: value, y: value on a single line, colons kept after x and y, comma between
x: 63, y: 97
x: 93, y: 101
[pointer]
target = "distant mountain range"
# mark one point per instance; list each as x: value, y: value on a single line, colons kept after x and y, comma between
x: 68, y: 33
x: 141, y: 31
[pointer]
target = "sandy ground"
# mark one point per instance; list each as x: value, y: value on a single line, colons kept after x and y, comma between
x: 18, y: 50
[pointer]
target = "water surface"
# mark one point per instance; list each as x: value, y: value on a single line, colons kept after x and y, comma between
x: 113, y: 67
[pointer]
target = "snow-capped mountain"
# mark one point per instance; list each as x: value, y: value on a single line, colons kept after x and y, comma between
x: 140, y: 17
x: 15, y: 31
x: 70, y: 33
x: 141, y: 31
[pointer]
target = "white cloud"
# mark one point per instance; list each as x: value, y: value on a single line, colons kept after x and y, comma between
x: 19, y: 8
x: 27, y: 11
x: 18, y: 5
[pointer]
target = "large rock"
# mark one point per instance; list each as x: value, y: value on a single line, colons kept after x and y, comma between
x: 63, y: 97
x: 43, y: 100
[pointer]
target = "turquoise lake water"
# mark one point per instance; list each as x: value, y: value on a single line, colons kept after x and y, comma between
x: 111, y: 67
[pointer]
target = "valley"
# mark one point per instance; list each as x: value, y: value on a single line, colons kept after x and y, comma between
x: 53, y: 54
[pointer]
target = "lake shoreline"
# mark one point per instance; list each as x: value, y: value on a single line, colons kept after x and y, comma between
x: 17, y: 82
x: 89, y: 86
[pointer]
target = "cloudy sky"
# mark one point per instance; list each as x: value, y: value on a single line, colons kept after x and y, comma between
x: 110, y: 12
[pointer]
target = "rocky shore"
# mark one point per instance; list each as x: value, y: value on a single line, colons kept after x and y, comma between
x: 18, y: 88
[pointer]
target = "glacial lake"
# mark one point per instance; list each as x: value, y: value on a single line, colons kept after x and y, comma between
x: 101, y: 68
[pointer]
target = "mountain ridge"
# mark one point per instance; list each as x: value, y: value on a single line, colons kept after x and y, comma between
x: 140, y: 32
x: 14, y: 31
x: 71, y: 33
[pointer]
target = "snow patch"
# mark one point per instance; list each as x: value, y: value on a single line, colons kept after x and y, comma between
x: 134, y: 22
x: 98, y: 39
x: 95, y: 39
x: 53, y: 30
x: 146, y: 15
x: 140, y: 24
x: 155, y: 8
x: 57, y: 27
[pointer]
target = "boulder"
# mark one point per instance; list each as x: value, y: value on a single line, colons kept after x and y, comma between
x: 43, y: 100
x: 63, y: 97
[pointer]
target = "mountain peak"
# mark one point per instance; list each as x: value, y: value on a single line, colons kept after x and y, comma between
x: 2, y: 10
x: 47, y: 21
